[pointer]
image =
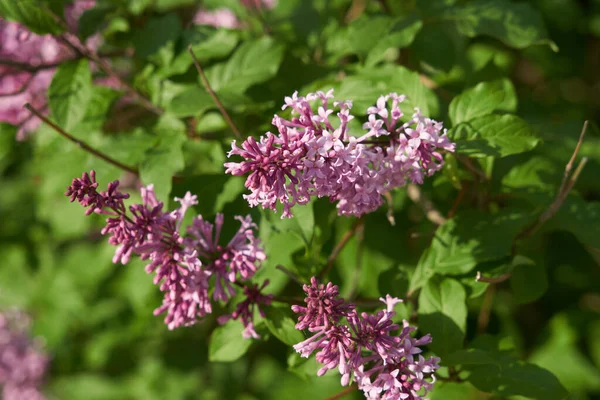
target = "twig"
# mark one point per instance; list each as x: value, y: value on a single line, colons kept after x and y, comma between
x: 569, y: 165
x: 473, y: 169
x: 214, y: 96
x: 356, y: 9
x: 32, y: 68
x: 497, y: 279
x: 289, y: 273
x: 81, y: 49
x: 339, y: 247
x: 107, y: 69
x: 457, y: 201
x: 343, y: 393
x: 483, y: 319
x: 432, y: 214
x: 566, y: 185
x: 80, y: 143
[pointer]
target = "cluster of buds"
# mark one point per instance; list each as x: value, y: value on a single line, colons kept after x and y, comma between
x: 311, y: 156
x: 189, y: 265
x: 364, y: 349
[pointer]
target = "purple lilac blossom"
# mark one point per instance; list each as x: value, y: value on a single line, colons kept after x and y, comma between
x: 310, y: 155
x: 219, y: 18
x: 384, y: 365
x: 258, y: 4
x: 245, y: 309
x: 186, y: 266
x: 22, y: 363
x: 28, y: 63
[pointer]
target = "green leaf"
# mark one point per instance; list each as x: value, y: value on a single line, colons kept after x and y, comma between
x: 537, y: 172
x: 518, y: 25
x: 252, y: 63
x: 562, y: 356
x: 165, y: 158
x: 157, y: 33
x: 493, y: 135
x: 279, y: 322
x: 510, y: 377
x: 528, y: 280
x: 443, y: 313
x: 227, y: 344
x: 469, y: 238
x: 369, y: 83
x: 92, y: 20
x: 580, y: 218
x: 70, y: 93
x: 453, y: 391
x: 32, y: 14
x: 470, y: 357
x: 207, y: 44
x: 483, y: 99
x: 401, y: 35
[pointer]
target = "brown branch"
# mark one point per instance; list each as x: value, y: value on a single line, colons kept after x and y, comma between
x: 81, y: 49
x: 356, y: 9
x: 32, y: 68
x: 214, y: 96
x: 457, y: 201
x: 343, y: 393
x: 339, y: 247
x: 483, y: 319
x: 81, y: 143
x: 290, y: 274
x: 566, y: 185
x: 432, y: 214
x: 108, y: 70
x: 477, y: 173
x: 497, y: 279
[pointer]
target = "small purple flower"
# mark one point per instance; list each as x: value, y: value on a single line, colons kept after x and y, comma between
x: 366, y: 350
x: 245, y: 309
x: 312, y: 155
x: 238, y: 260
x: 323, y: 307
x: 183, y: 261
x: 22, y: 363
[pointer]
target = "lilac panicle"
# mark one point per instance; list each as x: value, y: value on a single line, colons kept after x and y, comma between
x: 314, y: 154
x: 30, y: 63
x: 238, y: 260
x: 22, y: 363
x: 379, y: 355
x: 245, y: 309
x: 323, y: 308
x: 188, y: 262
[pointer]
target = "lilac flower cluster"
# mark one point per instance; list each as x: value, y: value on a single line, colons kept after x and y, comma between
x: 187, y: 266
x: 225, y: 18
x: 385, y: 366
x: 22, y: 363
x: 311, y: 156
x: 27, y: 65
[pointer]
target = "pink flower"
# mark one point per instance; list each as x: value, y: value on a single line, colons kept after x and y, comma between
x: 27, y: 65
x: 22, y: 363
x: 183, y: 264
x: 312, y: 155
x: 365, y: 350
x: 219, y: 18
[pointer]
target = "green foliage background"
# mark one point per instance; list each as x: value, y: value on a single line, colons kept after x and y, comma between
x: 513, y: 81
